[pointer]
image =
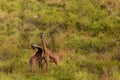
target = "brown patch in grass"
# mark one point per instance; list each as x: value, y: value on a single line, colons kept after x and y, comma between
x: 63, y: 54
x: 102, y: 57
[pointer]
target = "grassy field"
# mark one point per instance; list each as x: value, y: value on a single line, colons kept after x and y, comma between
x: 85, y: 34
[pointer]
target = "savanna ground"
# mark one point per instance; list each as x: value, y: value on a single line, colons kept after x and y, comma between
x: 84, y: 33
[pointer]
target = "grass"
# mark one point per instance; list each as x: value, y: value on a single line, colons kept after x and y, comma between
x: 84, y: 33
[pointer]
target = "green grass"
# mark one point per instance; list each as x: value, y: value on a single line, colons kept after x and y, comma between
x: 84, y: 33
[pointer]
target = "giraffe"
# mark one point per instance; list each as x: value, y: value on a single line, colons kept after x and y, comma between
x: 48, y: 55
x: 36, y: 58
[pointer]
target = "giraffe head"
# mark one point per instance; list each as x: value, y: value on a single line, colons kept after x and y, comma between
x: 34, y: 46
x: 41, y: 35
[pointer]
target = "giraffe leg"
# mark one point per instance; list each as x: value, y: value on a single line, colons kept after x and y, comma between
x: 34, y: 67
x: 46, y: 65
x: 40, y: 64
x: 47, y: 61
x: 33, y: 64
x: 43, y: 63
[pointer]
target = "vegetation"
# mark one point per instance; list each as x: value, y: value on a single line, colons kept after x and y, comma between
x: 84, y: 33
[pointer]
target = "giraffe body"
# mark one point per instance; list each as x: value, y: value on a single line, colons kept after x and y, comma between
x: 37, y: 58
x: 48, y: 55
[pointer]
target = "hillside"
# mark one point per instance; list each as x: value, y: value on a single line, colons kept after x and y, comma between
x: 84, y: 33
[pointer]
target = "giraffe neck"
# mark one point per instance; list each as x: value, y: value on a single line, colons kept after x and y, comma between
x: 44, y: 46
